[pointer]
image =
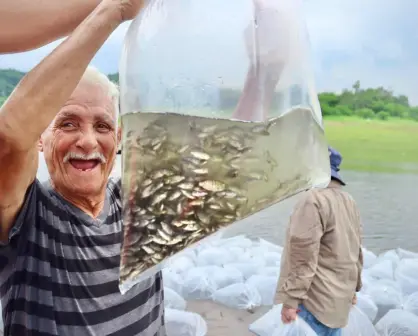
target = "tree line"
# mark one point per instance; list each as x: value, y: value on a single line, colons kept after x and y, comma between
x: 367, y: 103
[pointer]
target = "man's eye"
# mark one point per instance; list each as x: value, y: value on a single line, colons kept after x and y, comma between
x: 68, y: 125
x: 103, y: 127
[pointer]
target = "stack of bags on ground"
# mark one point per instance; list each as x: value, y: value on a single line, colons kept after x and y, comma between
x: 242, y: 273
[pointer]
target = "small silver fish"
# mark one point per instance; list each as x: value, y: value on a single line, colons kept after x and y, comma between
x: 200, y: 155
x: 186, y: 186
x: 212, y: 185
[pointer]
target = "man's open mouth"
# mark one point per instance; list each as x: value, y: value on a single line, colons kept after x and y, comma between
x: 84, y: 165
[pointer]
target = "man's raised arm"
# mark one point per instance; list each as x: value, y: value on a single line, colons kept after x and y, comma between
x: 40, y: 95
x: 30, y: 24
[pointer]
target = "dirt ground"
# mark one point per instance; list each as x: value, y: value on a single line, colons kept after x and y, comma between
x: 224, y: 321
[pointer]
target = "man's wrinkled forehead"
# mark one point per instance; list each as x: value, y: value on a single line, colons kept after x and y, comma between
x: 87, y: 115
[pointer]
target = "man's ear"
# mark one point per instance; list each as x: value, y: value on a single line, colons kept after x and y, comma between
x: 119, y: 135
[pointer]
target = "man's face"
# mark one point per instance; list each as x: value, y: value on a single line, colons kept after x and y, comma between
x: 81, y: 143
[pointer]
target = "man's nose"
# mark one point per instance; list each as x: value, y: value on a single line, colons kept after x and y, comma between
x: 87, y: 140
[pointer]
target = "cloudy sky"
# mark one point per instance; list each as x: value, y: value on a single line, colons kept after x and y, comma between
x: 374, y: 41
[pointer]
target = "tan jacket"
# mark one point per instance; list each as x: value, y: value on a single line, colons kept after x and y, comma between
x: 322, y: 259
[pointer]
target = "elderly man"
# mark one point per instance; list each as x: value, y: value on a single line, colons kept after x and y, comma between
x: 322, y: 259
x: 61, y: 242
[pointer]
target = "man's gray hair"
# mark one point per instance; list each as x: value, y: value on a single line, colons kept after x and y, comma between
x: 94, y: 76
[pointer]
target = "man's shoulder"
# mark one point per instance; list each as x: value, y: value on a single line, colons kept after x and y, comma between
x: 318, y: 193
x: 114, y: 186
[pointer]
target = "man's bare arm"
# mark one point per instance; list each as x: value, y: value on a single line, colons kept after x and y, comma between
x: 258, y: 93
x: 35, y: 102
x: 29, y: 24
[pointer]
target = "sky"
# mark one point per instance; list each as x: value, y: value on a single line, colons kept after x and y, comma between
x: 373, y: 41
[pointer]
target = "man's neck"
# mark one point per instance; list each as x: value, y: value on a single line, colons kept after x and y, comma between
x: 334, y: 184
x: 92, y: 205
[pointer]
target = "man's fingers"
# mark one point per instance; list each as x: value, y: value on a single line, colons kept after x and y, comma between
x: 285, y: 319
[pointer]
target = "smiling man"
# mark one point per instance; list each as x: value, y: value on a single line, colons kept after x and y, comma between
x: 61, y: 241
x: 79, y: 145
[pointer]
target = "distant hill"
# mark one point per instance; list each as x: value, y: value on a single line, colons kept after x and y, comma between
x: 9, y: 78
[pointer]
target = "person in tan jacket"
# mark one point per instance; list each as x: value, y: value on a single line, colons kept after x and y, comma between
x: 322, y: 258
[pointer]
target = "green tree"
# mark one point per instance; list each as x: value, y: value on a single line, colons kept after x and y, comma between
x: 365, y: 113
x: 383, y: 115
x: 344, y: 110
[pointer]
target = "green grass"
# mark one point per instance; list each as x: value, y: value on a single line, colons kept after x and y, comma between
x: 375, y: 146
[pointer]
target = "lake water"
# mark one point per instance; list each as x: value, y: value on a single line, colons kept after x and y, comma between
x: 387, y: 203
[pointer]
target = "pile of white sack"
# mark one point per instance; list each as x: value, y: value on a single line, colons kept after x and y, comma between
x: 242, y: 273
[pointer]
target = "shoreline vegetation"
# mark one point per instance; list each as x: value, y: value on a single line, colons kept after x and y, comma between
x: 374, y: 129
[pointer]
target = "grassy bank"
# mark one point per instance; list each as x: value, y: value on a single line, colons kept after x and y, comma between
x: 375, y: 146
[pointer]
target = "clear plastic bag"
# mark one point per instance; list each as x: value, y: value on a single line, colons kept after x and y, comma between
x: 367, y: 306
x: 238, y: 296
x: 271, y: 271
x: 386, y: 297
x: 297, y: 328
x: 205, y: 135
x: 411, y: 304
x: 369, y: 258
x: 247, y: 269
x: 266, y: 287
x: 405, y: 254
x: 406, y: 275
x: 173, y: 300
x: 226, y: 276
x: 270, y: 246
x: 214, y: 256
x: 382, y: 269
x: 173, y: 281
x: 240, y: 241
x: 359, y: 324
x: 182, y: 323
x: 391, y: 255
x: 182, y: 263
x: 398, y: 323
x: 268, y: 323
x: 199, y: 283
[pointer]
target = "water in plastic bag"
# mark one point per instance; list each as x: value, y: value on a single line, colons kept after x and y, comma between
x: 220, y: 119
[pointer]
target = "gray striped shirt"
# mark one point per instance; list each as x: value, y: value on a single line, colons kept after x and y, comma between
x: 59, y: 272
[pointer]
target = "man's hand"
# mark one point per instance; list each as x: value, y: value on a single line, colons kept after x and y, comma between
x: 289, y: 314
x: 354, y: 301
x: 128, y: 9
x: 268, y: 38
